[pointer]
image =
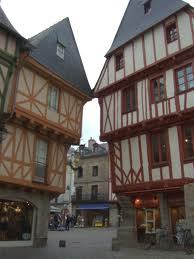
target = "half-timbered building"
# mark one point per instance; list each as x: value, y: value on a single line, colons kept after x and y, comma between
x: 44, y: 105
x: 146, y: 97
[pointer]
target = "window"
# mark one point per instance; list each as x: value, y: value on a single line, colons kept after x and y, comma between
x: 147, y: 6
x: 188, y: 142
x: 41, y: 161
x: 94, y: 192
x: 60, y: 50
x: 171, y: 33
x: 119, y: 61
x: 53, y: 97
x: 95, y: 171
x: 157, y: 89
x: 185, y: 78
x: 150, y: 221
x: 80, y: 172
x: 129, y: 99
x: 159, y: 148
x: 79, y: 193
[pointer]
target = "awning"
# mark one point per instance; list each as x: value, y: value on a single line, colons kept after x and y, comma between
x: 98, y: 206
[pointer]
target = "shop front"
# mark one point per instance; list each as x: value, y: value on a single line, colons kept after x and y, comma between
x: 16, y: 222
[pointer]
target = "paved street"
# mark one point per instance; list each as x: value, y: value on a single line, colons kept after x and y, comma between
x: 86, y: 244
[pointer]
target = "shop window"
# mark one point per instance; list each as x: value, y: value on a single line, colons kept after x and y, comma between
x: 129, y: 99
x: 147, y: 7
x: 94, y: 192
x: 171, y: 32
x: 15, y: 220
x: 78, y: 193
x: 184, y: 78
x: 159, y: 148
x: 157, y: 89
x: 41, y: 161
x: 53, y: 98
x: 188, y: 137
x: 119, y: 60
x: 150, y: 221
x: 80, y: 172
x: 95, y: 171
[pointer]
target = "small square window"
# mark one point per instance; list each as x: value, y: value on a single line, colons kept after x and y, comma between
x: 171, y: 33
x: 147, y: 7
x: 53, y: 97
x: 185, y: 78
x: 119, y: 61
x: 60, y: 50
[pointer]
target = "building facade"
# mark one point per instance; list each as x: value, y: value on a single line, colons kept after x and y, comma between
x: 146, y: 94
x: 93, y: 199
x: 42, y: 102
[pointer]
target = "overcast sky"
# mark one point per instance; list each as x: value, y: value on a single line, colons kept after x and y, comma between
x: 94, y: 24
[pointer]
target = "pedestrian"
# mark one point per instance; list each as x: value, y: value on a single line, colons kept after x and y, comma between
x: 67, y: 222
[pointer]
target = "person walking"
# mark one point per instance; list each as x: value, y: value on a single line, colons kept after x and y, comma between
x: 67, y: 222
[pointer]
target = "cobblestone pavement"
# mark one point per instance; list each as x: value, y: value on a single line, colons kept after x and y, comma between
x: 86, y: 244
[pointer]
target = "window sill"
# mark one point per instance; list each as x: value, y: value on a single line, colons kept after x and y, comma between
x: 185, y: 91
x: 125, y: 112
x: 188, y: 160
x: 39, y: 180
x: 169, y: 42
x: 154, y: 166
x: 157, y: 102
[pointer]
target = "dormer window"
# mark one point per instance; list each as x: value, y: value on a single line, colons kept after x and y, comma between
x: 147, y: 7
x: 171, y: 32
x: 60, y: 50
x: 119, y: 60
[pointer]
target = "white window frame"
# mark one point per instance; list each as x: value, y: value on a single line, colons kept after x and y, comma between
x: 53, y: 98
x: 60, y: 50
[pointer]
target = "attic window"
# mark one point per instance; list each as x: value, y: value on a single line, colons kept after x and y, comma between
x: 147, y: 7
x: 60, y: 50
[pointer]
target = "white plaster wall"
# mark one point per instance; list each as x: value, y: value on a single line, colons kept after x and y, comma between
x: 184, y: 29
x: 129, y: 115
x: 111, y: 113
x: 159, y: 42
x: 182, y: 101
x: 149, y: 47
x: 138, y: 53
x: 147, y: 98
x: 174, y: 152
x: 172, y: 105
x: 156, y: 174
x: 124, y: 120
x: 128, y: 57
x: 169, y: 83
x: 119, y: 109
x: 189, y: 170
x: 134, y: 117
x: 111, y: 70
x: 160, y: 111
x: 139, y: 96
x: 119, y: 74
x: 190, y: 99
x: 173, y: 47
x: 135, y: 154
x: 104, y: 79
x: 104, y: 118
x: 165, y: 173
x: 145, y: 158
x: 153, y: 111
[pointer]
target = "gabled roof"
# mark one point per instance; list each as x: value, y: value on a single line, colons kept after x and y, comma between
x: 135, y: 22
x: 6, y: 24
x: 71, y: 68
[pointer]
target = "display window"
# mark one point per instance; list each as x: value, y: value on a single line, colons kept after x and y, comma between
x: 16, y: 219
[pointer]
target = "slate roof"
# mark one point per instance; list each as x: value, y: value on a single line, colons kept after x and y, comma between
x: 71, y: 68
x: 134, y: 21
x: 6, y: 24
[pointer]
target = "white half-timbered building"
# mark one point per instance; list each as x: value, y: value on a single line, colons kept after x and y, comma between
x: 146, y: 97
x: 41, y: 116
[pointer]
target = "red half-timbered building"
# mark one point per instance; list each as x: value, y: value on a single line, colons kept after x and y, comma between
x: 40, y: 119
x: 146, y: 97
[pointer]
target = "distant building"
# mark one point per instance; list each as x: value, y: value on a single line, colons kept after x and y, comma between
x: 43, y: 88
x: 93, y: 198
x: 146, y: 96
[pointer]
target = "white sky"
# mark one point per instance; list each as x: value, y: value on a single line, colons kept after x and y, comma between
x: 94, y: 24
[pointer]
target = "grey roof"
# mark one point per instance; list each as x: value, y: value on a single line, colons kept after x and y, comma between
x: 135, y: 22
x: 6, y: 24
x: 71, y: 68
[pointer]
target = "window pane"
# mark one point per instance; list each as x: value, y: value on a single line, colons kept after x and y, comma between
x: 155, y: 90
x: 182, y: 88
x: 189, y: 70
x: 180, y: 73
x: 128, y: 101
x: 191, y: 84
x: 155, y: 151
x: 188, y: 142
x: 181, y: 81
x: 162, y: 94
x: 163, y: 147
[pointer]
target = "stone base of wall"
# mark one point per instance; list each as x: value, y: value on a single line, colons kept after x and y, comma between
x: 126, y: 237
x: 40, y: 242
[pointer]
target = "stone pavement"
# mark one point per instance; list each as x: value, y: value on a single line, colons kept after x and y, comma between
x: 86, y: 244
